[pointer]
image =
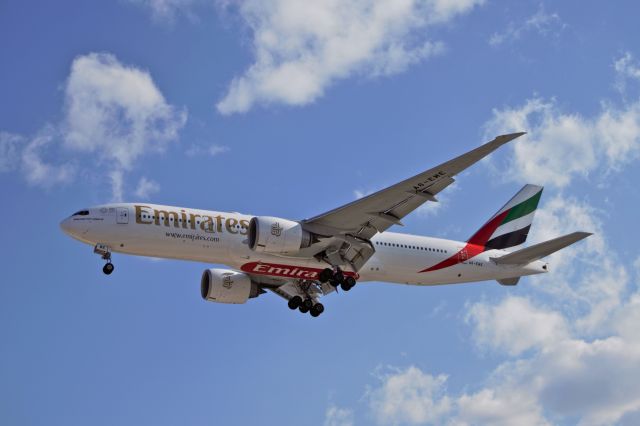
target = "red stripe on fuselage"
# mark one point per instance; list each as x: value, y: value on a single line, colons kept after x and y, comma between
x: 287, y: 271
x: 474, y: 246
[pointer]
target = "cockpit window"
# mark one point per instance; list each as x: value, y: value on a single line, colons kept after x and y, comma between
x: 81, y: 213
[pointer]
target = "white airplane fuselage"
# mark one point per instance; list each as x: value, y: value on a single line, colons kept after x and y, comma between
x: 221, y: 238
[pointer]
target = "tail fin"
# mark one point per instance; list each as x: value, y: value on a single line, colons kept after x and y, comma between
x: 510, y: 225
x: 538, y: 251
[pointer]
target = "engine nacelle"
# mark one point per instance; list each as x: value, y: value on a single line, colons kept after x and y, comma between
x: 275, y: 235
x: 226, y: 286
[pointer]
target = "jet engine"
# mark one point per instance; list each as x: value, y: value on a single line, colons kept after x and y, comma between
x: 279, y: 236
x: 226, y: 286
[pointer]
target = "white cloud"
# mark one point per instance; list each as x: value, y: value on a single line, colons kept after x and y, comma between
x: 37, y: 171
x: 626, y: 67
x: 117, y: 112
x: 499, y: 407
x: 26, y: 155
x: 515, y: 325
x: 570, y: 347
x: 561, y: 146
x: 588, y: 279
x: 217, y: 149
x: 336, y: 416
x: 112, y: 111
x: 361, y: 193
x: 211, y: 150
x: 433, y: 208
x: 168, y: 10
x: 9, y: 147
x: 409, y: 396
x: 592, y: 381
x: 301, y: 48
x: 146, y: 188
x: 541, y: 22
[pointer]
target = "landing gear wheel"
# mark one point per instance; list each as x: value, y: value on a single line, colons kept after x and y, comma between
x: 348, y: 283
x: 108, y: 268
x: 305, y: 306
x: 325, y: 275
x: 338, y: 276
x: 317, y: 309
x: 295, y: 302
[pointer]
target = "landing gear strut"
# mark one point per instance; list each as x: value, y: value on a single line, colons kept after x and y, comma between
x: 105, y: 253
x: 309, y: 289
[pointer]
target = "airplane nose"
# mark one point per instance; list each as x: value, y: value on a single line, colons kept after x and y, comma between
x: 65, y: 225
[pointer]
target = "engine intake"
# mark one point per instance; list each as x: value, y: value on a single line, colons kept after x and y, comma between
x: 226, y: 286
x: 275, y: 235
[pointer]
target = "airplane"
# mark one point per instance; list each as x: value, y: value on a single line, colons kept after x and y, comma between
x: 303, y: 260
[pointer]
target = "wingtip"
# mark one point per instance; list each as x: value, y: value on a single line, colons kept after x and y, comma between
x: 581, y: 235
x: 511, y: 136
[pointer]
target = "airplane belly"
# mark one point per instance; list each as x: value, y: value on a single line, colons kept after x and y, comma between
x: 164, y: 242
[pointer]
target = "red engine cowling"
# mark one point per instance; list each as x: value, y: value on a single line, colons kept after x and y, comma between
x: 278, y: 236
x: 227, y: 286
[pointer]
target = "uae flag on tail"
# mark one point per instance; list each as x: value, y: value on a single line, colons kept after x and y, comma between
x: 510, y: 226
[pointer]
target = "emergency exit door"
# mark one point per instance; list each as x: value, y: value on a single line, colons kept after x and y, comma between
x: 122, y: 215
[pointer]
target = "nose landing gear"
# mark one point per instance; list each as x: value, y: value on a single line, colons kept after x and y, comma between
x: 108, y: 268
x: 105, y: 253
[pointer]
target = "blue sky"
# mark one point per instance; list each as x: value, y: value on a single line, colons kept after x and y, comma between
x: 290, y: 109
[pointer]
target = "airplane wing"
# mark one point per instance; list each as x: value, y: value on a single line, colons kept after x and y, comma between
x: 354, y: 224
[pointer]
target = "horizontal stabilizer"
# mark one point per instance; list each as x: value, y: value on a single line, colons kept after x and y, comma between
x: 538, y: 251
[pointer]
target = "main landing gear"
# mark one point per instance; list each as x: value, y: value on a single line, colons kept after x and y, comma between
x: 306, y: 305
x: 337, y: 278
x: 105, y: 252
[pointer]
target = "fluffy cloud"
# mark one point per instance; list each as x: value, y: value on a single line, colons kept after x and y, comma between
x: 564, y: 145
x: 566, y: 377
x: 303, y: 47
x: 587, y: 291
x: 409, y: 396
x: 336, y: 416
x: 113, y: 112
x: 26, y: 155
x: 497, y: 407
x: 541, y: 23
x: 569, y: 344
x: 561, y: 146
x: 626, y: 68
x: 37, y: 171
x: 117, y: 112
x: 146, y: 188
x: 515, y: 326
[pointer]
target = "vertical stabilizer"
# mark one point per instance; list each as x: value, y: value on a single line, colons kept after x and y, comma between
x: 510, y: 226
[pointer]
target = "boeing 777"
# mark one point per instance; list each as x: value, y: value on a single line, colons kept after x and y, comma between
x: 303, y: 260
